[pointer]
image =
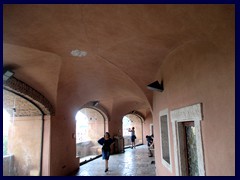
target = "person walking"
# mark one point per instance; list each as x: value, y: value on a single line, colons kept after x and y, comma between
x: 106, y: 142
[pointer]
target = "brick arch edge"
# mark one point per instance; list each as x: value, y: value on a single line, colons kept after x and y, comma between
x: 138, y: 114
x: 18, y: 87
x: 98, y: 108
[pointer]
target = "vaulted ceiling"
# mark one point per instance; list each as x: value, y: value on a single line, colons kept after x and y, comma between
x: 125, y: 45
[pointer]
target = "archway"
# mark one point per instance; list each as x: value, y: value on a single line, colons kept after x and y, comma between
x: 30, y: 113
x: 90, y: 127
x: 23, y: 127
x: 129, y: 121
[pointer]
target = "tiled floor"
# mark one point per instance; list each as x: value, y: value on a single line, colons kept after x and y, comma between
x: 133, y: 162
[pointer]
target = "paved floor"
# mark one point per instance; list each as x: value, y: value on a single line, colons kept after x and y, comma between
x: 133, y: 162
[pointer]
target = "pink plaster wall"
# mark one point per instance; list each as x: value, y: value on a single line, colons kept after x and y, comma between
x: 146, y: 127
x: 198, y: 72
x: 63, y: 159
x: 46, y: 147
x: 24, y: 142
x: 115, y: 123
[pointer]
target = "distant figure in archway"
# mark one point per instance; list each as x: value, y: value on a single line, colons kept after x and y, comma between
x: 133, y: 137
x: 150, y: 144
x: 106, y: 142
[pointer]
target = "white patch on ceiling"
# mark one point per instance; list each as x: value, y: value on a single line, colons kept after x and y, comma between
x: 78, y: 53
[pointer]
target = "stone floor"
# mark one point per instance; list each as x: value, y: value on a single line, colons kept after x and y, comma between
x: 133, y: 162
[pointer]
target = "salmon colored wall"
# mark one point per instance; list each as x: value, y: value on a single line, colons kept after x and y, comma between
x: 25, y: 135
x: 63, y: 146
x: 115, y: 125
x: 146, y: 127
x: 46, y: 147
x: 199, y: 72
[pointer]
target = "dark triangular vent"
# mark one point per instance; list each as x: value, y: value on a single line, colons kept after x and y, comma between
x: 156, y: 86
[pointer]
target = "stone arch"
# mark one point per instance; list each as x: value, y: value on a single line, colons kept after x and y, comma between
x: 22, y: 89
x: 98, y: 107
x: 136, y: 113
x: 91, y: 124
x: 28, y: 109
x: 138, y: 120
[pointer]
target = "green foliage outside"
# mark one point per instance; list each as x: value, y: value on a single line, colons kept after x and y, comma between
x: 5, y: 145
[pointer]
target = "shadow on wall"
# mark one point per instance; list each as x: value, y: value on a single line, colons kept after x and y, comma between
x: 8, y: 165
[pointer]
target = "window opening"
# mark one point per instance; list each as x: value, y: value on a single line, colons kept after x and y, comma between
x: 128, y: 122
x: 165, y: 140
x: 22, y: 136
x: 89, y: 128
x: 186, y: 125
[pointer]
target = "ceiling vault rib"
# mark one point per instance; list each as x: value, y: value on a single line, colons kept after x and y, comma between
x: 105, y: 59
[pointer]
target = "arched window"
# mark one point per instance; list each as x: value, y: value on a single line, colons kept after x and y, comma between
x: 90, y: 125
x: 129, y: 121
x: 22, y: 136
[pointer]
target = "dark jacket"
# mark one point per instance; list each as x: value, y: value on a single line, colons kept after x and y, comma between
x: 149, y: 140
x: 105, y: 144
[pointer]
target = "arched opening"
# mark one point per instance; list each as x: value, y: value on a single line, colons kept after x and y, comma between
x: 30, y: 115
x: 90, y: 126
x: 129, y: 121
x: 22, y: 136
